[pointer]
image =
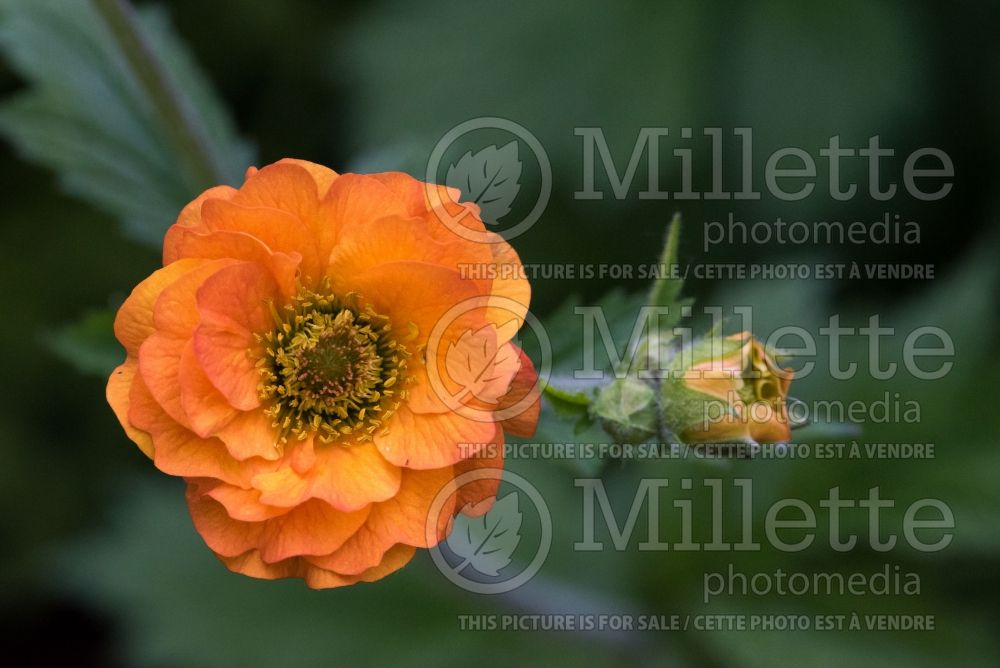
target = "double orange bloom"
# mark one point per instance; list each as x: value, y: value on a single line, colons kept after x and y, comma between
x: 299, y: 361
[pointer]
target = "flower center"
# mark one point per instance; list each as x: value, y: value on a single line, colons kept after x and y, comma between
x: 330, y: 368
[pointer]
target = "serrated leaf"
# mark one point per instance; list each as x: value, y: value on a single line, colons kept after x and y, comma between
x: 87, y: 116
x: 487, y: 543
x: 490, y: 178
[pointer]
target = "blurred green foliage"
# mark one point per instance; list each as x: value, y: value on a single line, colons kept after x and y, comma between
x: 91, y: 529
x: 88, y: 116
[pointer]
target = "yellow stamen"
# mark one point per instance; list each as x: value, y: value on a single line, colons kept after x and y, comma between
x: 328, y: 367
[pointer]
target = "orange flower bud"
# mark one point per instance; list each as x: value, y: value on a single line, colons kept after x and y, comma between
x: 725, y: 390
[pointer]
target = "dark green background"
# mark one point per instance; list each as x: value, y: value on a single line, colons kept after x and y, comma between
x: 101, y: 565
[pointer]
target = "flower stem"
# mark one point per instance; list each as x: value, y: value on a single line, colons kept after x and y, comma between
x: 172, y: 106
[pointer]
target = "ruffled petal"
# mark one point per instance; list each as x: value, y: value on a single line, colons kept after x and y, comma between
x: 473, y: 374
x: 394, y: 558
x: 323, y: 176
x: 510, y: 293
x: 251, y: 564
x: 178, y: 451
x: 234, y: 305
x: 206, y: 409
x: 243, y: 504
x: 175, y: 312
x: 159, y: 366
x: 404, y: 519
x: 411, y: 294
x: 439, y: 205
x: 242, y: 246
x: 432, y: 441
x: 312, y: 528
x: 368, y: 243
x: 285, y: 186
x: 348, y: 476
x: 134, y: 321
x: 279, y: 230
x: 521, y: 407
x: 251, y: 434
x: 190, y: 219
x: 119, y: 387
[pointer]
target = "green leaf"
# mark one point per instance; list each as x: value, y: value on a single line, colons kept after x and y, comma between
x: 90, y: 116
x: 88, y: 344
x: 573, y: 405
x: 666, y: 290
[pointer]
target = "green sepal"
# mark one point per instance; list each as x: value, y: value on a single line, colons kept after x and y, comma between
x: 627, y: 409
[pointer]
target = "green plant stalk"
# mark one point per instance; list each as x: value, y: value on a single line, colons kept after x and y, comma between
x: 175, y: 111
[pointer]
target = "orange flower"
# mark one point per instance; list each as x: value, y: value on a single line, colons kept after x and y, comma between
x: 282, y: 361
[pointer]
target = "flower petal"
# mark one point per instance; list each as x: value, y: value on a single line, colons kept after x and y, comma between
x: 279, y: 230
x: 177, y: 450
x: 510, y: 293
x: 119, y: 387
x: 432, y: 441
x: 283, y: 185
x: 525, y: 393
x: 347, y: 476
x: 159, y: 366
x: 251, y: 434
x: 410, y: 292
x: 367, y: 244
x: 251, y: 564
x: 394, y: 558
x: 323, y: 176
x: 175, y: 312
x: 241, y: 246
x: 206, y: 409
x: 439, y: 205
x: 134, y: 321
x: 190, y: 219
x: 233, y: 305
x: 402, y: 519
x: 312, y: 528
x: 243, y: 504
